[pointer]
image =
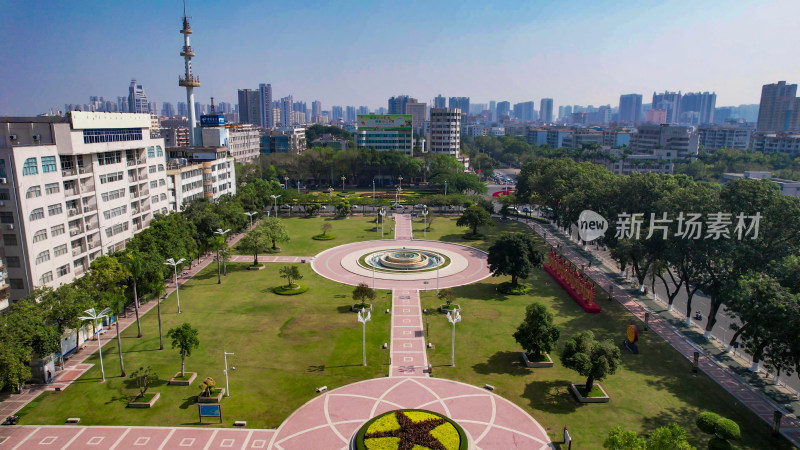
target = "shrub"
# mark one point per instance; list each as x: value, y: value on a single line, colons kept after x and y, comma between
x: 281, y: 290
x: 728, y: 430
x: 719, y: 444
x: 707, y: 421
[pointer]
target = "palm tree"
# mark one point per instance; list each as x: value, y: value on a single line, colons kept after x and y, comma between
x: 117, y: 304
x: 159, y: 289
x: 134, y: 262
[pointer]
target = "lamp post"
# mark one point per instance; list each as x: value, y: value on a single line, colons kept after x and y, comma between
x: 453, y: 317
x: 298, y: 186
x: 286, y: 179
x: 92, y: 315
x: 250, y: 215
x: 175, y: 264
x: 382, y: 212
x: 227, y: 389
x: 445, y: 188
x: 222, y: 233
x: 343, y: 178
x: 275, y: 203
x: 397, y: 195
x: 400, y: 179
x: 425, y: 222
x: 364, y: 317
x: 373, y: 192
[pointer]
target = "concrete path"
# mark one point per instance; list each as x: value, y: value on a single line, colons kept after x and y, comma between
x: 756, y: 401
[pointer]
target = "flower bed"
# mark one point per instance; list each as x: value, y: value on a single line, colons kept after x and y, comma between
x: 323, y: 237
x: 183, y: 380
x: 544, y: 360
x: 410, y: 428
x: 145, y: 401
x: 284, y: 290
x: 216, y: 396
x: 598, y: 394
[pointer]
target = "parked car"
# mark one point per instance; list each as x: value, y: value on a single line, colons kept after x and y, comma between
x: 420, y: 206
x: 397, y: 206
x: 526, y: 209
x: 286, y: 207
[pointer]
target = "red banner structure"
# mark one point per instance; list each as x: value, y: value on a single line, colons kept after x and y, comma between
x: 577, y: 285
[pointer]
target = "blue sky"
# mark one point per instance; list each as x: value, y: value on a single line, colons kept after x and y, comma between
x: 361, y: 53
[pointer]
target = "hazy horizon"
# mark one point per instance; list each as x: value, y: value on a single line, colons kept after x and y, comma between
x: 362, y: 53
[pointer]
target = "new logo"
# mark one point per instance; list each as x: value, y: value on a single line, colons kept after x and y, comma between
x: 591, y: 225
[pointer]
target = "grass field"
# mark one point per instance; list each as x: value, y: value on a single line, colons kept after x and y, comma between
x: 285, y: 347
x: 351, y: 229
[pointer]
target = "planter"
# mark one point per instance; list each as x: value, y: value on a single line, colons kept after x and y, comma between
x: 212, y: 399
x: 548, y: 362
x: 602, y: 399
x: 283, y: 290
x: 354, y: 309
x: 444, y: 309
x: 147, y: 401
x: 177, y: 380
x: 258, y: 267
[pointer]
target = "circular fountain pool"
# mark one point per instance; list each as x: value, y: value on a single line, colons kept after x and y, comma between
x: 404, y: 260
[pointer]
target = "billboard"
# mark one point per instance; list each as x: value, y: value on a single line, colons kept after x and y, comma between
x: 212, y: 120
x: 391, y: 122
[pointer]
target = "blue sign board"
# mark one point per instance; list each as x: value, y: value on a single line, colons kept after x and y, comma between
x: 210, y: 410
x: 212, y: 120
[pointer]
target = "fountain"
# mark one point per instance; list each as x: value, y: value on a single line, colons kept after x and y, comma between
x: 404, y: 260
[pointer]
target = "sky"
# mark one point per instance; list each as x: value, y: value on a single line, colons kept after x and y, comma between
x: 361, y: 52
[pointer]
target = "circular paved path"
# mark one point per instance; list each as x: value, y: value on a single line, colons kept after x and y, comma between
x: 468, y: 265
x: 330, y: 420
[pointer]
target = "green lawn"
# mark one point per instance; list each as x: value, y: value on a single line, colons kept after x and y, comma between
x: 444, y: 228
x: 652, y: 389
x: 351, y: 229
x: 285, y: 347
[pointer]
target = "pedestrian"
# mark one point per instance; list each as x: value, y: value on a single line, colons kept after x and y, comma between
x: 49, y: 377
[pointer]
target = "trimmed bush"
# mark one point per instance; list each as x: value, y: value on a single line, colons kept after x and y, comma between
x: 512, y: 289
x: 707, y: 421
x: 282, y: 290
x: 719, y: 444
x: 728, y: 430
x: 323, y: 237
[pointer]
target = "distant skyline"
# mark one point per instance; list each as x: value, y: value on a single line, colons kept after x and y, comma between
x: 361, y: 53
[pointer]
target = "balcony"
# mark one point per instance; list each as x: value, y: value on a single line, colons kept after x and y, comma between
x: 132, y: 162
x: 79, y: 271
x: 78, y: 250
x: 190, y: 81
x: 84, y: 170
x: 75, y: 231
x: 132, y: 178
x: 94, y: 244
x: 92, y: 226
x: 72, y: 212
x: 71, y: 192
x: 133, y: 195
x: 89, y: 208
x: 68, y: 172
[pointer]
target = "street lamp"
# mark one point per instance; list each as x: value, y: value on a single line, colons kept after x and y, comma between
x: 373, y: 192
x: 343, y: 178
x: 175, y: 264
x: 275, y: 203
x: 397, y: 195
x: 222, y: 233
x: 330, y: 192
x: 453, y: 317
x: 445, y: 188
x: 400, y: 179
x: 382, y: 212
x: 92, y: 315
x: 425, y: 222
x: 227, y: 389
x: 250, y: 215
x: 364, y: 317
x: 298, y: 186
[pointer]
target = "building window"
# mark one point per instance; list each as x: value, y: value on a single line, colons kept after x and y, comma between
x: 159, y: 150
x: 160, y: 167
x: 43, y: 257
x: 46, y: 278
x: 33, y: 192
x: 112, y: 195
x: 116, y: 229
x: 37, y: 214
x: 4, y: 194
x: 111, y: 177
x: 112, y: 135
x: 154, y: 199
x: 60, y: 250
x: 30, y: 167
x: 151, y: 152
x: 52, y: 188
x: 52, y: 210
x: 109, y: 158
x: 40, y: 236
x: 10, y: 240
x: 12, y: 261
x: 63, y: 270
x: 153, y: 184
x: 114, y: 212
x: 151, y: 169
x: 163, y: 197
x: 49, y: 164
x: 2, y: 168
x: 162, y: 182
x: 16, y: 283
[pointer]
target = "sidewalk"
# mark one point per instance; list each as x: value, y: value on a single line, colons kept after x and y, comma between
x: 725, y: 370
x: 74, y: 365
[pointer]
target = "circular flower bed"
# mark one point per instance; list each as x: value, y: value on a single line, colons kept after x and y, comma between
x: 410, y: 428
x: 283, y: 290
x: 323, y: 237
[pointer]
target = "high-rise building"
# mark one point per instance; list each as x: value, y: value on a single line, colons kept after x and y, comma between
x: 199, y: 109
x: 224, y: 108
x: 524, y: 111
x: 715, y: 137
x: 249, y: 106
x: 316, y: 109
x: 182, y: 109
x: 286, y: 111
x: 657, y: 116
x: 445, y: 131
x: 265, y: 105
x: 77, y: 187
x: 397, y: 105
x: 669, y: 102
x: 439, y: 102
x: 546, y: 110
x: 493, y: 110
x: 419, y: 112
x: 337, y: 113
x: 461, y: 103
x: 669, y: 137
x: 137, y: 99
x: 503, y: 110
x: 630, y: 108
x: 385, y: 132
x: 697, y: 108
x: 350, y: 114
x: 363, y: 110
x: 122, y: 104
x: 779, y: 108
x: 167, y: 109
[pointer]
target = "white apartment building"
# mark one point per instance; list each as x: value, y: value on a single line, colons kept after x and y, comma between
x: 199, y: 172
x: 74, y: 188
x: 445, y: 131
x: 242, y: 140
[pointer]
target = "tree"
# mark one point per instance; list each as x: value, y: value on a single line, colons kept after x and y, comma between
x: 144, y: 377
x: 207, y: 387
x: 185, y: 339
x: 363, y: 293
x: 724, y: 430
x: 106, y: 275
x: 159, y: 289
x: 62, y: 308
x: 591, y: 358
x: 253, y: 242
x: 446, y: 295
x: 117, y: 305
x: 537, y: 334
x: 216, y: 243
x: 274, y: 231
x: 514, y: 254
x: 291, y: 273
x: 474, y: 217
x: 134, y: 262
x: 326, y: 228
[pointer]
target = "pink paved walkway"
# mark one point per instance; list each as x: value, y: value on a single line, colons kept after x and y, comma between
x: 408, y: 338
x: 754, y: 400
